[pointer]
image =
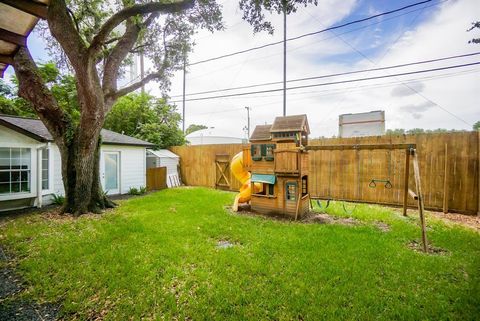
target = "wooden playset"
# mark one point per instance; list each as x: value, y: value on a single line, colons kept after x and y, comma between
x: 278, y: 165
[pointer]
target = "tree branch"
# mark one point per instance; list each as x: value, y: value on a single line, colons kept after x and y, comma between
x: 32, y: 88
x: 63, y: 29
x: 138, y: 9
x: 120, y: 52
x: 126, y: 90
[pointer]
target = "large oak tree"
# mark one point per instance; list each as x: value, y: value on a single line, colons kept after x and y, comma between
x: 94, y: 39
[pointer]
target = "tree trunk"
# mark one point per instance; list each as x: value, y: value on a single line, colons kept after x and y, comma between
x: 81, y: 179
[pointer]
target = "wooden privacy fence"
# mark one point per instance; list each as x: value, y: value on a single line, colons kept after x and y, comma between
x: 156, y: 178
x: 449, y: 168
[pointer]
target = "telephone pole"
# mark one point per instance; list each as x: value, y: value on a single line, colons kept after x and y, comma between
x: 248, y: 122
x: 285, y: 58
x: 184, y: 76
x: 142, y: 70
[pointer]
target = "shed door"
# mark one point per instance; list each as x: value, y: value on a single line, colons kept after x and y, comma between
x: 111, y: 172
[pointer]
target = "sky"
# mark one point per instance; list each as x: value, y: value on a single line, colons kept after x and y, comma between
x: 440, y: 99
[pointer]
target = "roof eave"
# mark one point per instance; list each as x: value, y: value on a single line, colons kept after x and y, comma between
x: 23, y: 131
x: 146, y: 145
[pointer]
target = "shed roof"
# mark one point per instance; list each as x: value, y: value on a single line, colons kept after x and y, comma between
x: 261, y: 132
x: 17, y: 19
x: 163, y: 153
x: 290, y: 124
x: 35, y: 129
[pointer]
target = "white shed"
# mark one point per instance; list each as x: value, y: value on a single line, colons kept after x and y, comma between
x: 165, y: 158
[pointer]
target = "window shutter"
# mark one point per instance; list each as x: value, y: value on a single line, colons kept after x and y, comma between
x: 264, y: 150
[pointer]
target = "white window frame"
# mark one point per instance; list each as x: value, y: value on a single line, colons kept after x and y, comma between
x: 10, y: 170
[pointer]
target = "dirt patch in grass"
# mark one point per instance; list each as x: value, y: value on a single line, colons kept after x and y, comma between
x: 433, y: 250
x: 322, y: 218
x: 384, y: 227
x: 309, y: 218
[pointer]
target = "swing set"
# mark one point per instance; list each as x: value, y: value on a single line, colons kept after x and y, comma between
x: 410, y: 156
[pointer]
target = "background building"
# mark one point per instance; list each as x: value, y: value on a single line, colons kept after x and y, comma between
x: 362, y: 124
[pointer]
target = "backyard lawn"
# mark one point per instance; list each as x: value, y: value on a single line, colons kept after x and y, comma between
x: 157, y: 257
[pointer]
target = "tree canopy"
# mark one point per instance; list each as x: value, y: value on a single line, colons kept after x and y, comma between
x: 194, y: 127
x: 146, y: 117
x: 475, y: 25
x: 476, y: 126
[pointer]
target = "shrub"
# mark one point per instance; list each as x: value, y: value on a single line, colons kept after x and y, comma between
x: 142, y: 190
x: 133, y: 191
x: 58, y: 199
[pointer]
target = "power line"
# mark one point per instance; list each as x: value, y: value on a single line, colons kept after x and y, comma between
x: 329, y: 92
x: 334, y: 75
x: 311, y: 33
x: 336, y: 91
x: 334, y: 82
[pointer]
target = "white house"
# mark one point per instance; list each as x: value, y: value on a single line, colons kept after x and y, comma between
x: 30, y: 164
x: 168, y: 159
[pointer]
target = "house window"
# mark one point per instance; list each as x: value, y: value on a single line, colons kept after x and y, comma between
x: 256, y: 151
x: 291, y: 191
x: 14, y: 170
x: 269, y: 152
x: 45, y: 169
x: 304, y: 185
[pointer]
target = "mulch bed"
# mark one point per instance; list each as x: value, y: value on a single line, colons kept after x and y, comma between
x: 471, y: 221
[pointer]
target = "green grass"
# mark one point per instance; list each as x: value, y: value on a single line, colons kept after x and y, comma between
x: 155, y: 257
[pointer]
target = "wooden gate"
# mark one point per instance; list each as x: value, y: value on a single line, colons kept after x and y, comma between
x: 222, y: 177
x: 156, y: 178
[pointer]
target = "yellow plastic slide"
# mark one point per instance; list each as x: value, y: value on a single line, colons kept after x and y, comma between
x: 238, y: 170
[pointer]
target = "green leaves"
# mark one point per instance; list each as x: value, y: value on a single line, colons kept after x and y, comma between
x: 148, y: 118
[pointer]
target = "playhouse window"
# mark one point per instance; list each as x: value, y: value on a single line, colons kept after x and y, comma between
x: 291, y: 191
x: 14, y: 170
x: 256, y: 151
x: 268, y: 190
x: 304, y: 185
x: 269, y: 152
x: 45, y: 169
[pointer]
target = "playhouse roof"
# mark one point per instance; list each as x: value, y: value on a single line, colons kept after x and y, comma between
x: 261, y: 132
x: 292, y: 123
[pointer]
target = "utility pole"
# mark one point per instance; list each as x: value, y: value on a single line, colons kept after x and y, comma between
x: 285, y: 58
x: 248, y: 121
x: 142, y: 70
x: 184, y: 76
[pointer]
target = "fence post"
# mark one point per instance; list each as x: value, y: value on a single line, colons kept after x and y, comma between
x: 405, y: 184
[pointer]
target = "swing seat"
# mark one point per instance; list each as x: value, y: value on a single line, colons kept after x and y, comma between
x: 345, y: 209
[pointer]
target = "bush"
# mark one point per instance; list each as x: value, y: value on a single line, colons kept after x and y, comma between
x: 133, y: 191
x: 58, y: 199
x: 142, y: 190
